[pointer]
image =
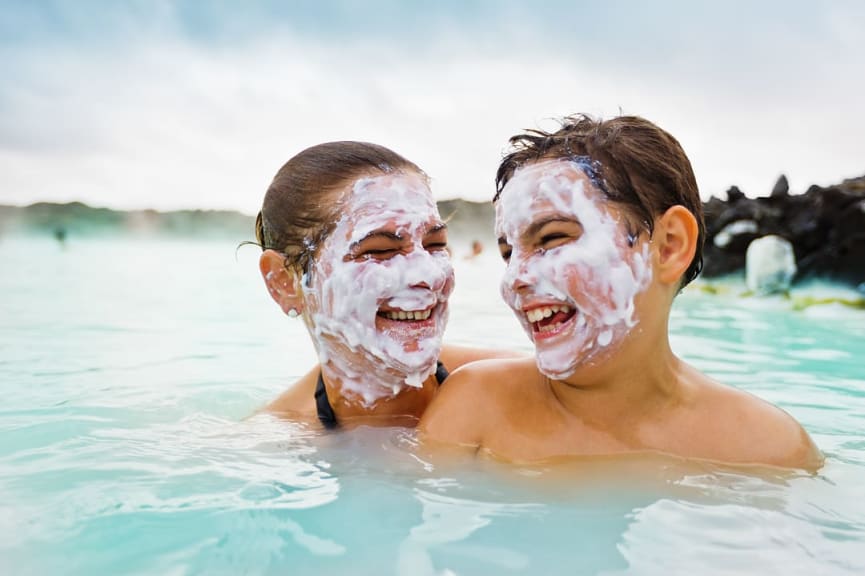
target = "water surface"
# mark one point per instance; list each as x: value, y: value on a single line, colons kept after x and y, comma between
x: 130, y: 369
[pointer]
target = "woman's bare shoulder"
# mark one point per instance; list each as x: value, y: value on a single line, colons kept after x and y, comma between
x: 298, y: 401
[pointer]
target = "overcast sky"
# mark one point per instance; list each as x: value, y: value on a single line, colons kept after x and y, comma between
x: 170, y: 104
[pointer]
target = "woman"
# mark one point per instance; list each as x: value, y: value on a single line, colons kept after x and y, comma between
x: 600, y: 226
x: 354, y: 245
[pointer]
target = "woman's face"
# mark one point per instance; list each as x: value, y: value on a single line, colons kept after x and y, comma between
x: 572, y: 268
x: 377, y: 294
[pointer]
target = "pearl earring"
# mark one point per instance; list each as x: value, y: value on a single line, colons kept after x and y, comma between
x: 293, y: 313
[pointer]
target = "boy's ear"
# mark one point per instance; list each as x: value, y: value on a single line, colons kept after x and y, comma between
x: 282, y: 283
x: 675, y: 235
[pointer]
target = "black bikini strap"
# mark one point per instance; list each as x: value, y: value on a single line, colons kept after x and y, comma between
x: 325, y: 410
x: 441, y: 373
x: 322, y: 405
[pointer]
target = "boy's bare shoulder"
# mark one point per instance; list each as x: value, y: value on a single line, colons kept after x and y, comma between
x: 748, y: 429
x: 470, y: 398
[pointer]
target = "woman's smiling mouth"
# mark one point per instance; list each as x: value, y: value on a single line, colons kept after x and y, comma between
x: 406, y: 315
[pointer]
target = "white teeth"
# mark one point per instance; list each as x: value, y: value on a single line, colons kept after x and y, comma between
x: 408, y: 315
x: 538, y: 314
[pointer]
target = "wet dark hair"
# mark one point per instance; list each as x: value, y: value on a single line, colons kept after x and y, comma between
x: 300, y: 208
x: 632, y: 161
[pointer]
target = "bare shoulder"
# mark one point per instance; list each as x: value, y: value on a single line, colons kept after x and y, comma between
x: 453, y: 356
x: 298, y: 401
x: 749, y: 429
x: 470, y: 399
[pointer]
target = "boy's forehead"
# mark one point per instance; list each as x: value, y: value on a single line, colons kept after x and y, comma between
x: 558, y: 185
x: 553, y: 167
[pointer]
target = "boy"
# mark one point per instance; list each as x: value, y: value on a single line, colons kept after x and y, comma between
x: 600, y: 224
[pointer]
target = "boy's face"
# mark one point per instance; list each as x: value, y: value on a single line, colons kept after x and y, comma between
x: 573, y: 270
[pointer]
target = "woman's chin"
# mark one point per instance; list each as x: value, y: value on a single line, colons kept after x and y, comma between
x: 414, y: 368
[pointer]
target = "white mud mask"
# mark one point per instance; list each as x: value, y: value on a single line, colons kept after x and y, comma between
x: 377, y: 293
x: 573, y: 271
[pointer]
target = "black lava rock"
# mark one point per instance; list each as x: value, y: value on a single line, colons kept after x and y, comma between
x: 826, y: 227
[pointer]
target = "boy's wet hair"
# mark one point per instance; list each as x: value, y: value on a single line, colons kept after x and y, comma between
x: 301, y: 208
x: 630, y: 160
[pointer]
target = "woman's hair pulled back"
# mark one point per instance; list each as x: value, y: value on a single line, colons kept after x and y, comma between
x: 301, y: 208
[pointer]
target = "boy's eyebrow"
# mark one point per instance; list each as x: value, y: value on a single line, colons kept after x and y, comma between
x: 502, y: 241
x: 441, y: 226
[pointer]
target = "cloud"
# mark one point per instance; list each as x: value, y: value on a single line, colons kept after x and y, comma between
x: 170, y: 114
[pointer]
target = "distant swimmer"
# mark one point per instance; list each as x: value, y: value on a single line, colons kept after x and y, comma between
x: 60, y: 234
x: 477, y: 248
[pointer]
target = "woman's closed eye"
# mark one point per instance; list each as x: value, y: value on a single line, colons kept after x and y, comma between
x: 436, y: 239
x: 379, y: 253
x: 376, y: 246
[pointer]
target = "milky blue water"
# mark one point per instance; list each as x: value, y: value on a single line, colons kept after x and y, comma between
x: 129, y: 370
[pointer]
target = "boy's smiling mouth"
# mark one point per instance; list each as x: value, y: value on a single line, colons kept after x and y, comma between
x: 549, y: 319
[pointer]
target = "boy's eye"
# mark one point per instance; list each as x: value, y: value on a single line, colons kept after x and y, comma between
x: 558, y: 233
x: 506, y: 252
x: 553, y: 238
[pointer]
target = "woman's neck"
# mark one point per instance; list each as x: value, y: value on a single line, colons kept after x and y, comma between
x: 403, y: 406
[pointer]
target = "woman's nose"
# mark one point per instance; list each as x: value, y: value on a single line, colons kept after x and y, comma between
x: 426, y: 271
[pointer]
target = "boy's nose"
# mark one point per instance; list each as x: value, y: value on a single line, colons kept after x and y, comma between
x: 518, y: 277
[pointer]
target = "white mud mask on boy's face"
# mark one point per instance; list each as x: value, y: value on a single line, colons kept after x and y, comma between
x: 377, y: 294
x: 573, y: 271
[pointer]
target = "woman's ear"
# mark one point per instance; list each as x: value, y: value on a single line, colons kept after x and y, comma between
x: 282, y: 283
x: 675, y: 236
